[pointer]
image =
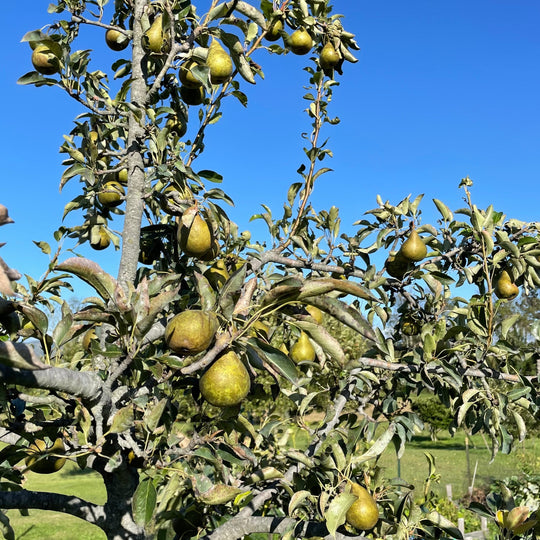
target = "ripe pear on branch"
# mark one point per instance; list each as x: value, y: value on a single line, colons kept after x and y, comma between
x: 45, y: 459
x: 226, y: 382
x: 195, y: 237
x: 155, y: 39
x: 219, y: 63
x: 505, y: 288
x: 302, y: 350
x: 413, y: 249
x: 191, y: 331
x: 364, y: 513
x: 300, y: 42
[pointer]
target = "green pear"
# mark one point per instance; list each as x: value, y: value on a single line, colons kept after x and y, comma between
x: 274, y: 30
x: 329, y: 57
x: 363, y: 514
x: 413, y: 249
x: 219, y: 63
x: 396, y: 265
x: 505, y: 288
x: 154, y: 36
x: 300, y: 42
x: 191, y: 331
x: 226, y: 382
x: 302, y: 350
x: 196, y: 240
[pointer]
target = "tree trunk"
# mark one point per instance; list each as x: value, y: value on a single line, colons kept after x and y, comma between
x: 119, y: 523
x: 134, y: 202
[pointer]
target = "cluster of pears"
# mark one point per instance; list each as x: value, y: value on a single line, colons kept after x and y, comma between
x: 220, y: 68
x: 364, y: 513
x: 226, y: 382
x: 45, y: 459
x: 411, y: 251
x: 46, y: 56
x: 300, y: 42
x: 197, y: 239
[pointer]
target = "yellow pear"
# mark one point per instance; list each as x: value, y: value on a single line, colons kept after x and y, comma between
x: 217, y: 274
x: 505, y: 288
x: 186, y: 77
x: 413, y: 249
x: 99, y: 238
x: 302, y: 350
x: 329, y: 57
x: 363, y: 514
x: 116, y: 40
x: 45, y: 459
x: 176, y: 125
x: 226, y: 382
x: 219, y: 63
x: 315, y: 313
x: 196, y: 240
x: 273, y: 32
x: 300, y: 42
x: 154, y: 36
x: 112, y: 194
x: 46, y: 58
x: 191, y: 331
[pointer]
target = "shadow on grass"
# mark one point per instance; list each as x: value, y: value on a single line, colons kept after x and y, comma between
x: 421, y: 441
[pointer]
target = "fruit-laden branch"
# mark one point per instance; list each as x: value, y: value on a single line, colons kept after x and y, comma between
x: 42, y: 500
x: 260, y: 497
x: 86, y: 385
x: 482, y: 373
x: 236, y: 529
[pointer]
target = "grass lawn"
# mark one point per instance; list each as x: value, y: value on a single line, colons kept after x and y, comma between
x: 451, y: 461
x: 45, y: 525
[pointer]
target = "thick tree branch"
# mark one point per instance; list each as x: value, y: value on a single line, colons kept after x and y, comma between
x: 238, y: 528
x: 86, y: 385
x: 42, y: 500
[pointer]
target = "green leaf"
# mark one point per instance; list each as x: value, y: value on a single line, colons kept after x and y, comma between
x: 279, y: 361
x: 20, y: 355
x: 212, y: 176
x: 152, y: 415
x: 296, y: 500
x: 90, y: 272
x: 220, y: 494
x: 337, y: 511
x: 378, y: 447
x: 123, y: 419
x: 508, y: 323
x: 144, y: 502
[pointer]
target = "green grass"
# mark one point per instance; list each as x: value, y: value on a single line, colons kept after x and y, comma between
x: 451, y: 462
x: 43, y: 524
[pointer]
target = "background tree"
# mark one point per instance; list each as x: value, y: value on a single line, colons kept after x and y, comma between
x: 172, y: 369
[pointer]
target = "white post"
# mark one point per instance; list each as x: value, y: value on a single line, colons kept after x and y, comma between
x: 449, y: 491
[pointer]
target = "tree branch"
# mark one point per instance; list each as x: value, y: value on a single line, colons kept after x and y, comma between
x: 236, y: 529
x: 86, y: 385
x: 42, y: 500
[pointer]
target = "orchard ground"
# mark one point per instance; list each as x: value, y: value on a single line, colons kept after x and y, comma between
x: 450, y: 460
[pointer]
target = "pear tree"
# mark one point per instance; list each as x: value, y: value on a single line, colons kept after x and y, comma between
x: 182, y: 378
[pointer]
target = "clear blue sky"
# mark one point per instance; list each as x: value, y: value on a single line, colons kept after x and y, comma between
x: 442, y: 90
